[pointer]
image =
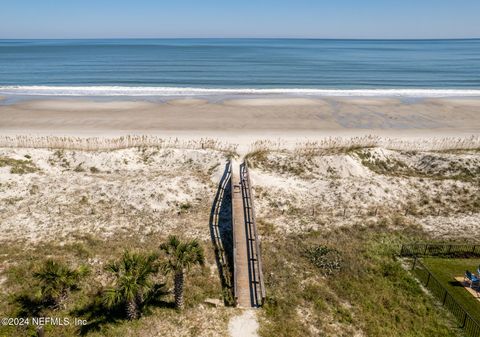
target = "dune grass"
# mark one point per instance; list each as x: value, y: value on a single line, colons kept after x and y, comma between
x: 368, y: 289
x: 18, y: 166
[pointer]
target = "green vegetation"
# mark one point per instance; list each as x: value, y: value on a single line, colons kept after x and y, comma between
x: 133, y: 286
x: 79, y: 168
x: 368, y: 290
x: 50, y: 292
x: 18, y: 166
x: 31, y: 286
x: 184, y: 207
x: 257, y: 158
x: 56, y: 280
x: 58, y: 157
x: 453, y: 168
x: 282, y: 163
x: 147, y: 154
x: 445, y: 270
x: 384, y: 166
x: 180, y: 258
x: 328, y: 260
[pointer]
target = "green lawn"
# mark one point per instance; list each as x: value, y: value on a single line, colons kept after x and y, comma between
x: 446, y: 269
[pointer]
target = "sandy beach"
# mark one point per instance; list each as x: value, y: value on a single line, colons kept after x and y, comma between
x: 247, y: 117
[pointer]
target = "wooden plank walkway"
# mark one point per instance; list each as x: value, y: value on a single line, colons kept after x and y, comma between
x: 249, y: 289
x: 241, y: 277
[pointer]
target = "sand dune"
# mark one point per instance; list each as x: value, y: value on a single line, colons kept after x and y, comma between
x: 53, y: 194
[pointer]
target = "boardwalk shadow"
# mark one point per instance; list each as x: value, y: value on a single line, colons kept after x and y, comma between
x: 221, y: 227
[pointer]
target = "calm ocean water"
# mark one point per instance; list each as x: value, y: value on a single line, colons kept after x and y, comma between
x: 203, y: 66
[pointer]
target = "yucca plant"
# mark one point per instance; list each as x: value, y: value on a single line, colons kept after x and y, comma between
x: 56, y: 282
x: 132, y: 282
x: 180, y: 258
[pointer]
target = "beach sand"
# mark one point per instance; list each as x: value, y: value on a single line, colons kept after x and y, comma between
x: 247, y: 117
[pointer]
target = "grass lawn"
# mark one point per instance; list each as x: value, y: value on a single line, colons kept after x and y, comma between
x: 445, y: 270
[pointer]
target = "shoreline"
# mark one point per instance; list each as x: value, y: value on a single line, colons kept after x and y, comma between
x: 215, y: 92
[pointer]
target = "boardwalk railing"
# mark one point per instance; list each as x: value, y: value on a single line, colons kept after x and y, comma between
x: 469, y: 324
x: 235, y: 279
x: 255, y: 255
x: 440, y: 249
x: 224, y: 264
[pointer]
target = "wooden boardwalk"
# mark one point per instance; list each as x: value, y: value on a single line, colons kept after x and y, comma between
x: 249, y: 290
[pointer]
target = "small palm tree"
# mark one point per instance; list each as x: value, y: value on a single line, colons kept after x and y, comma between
x: 56, y: 282
x: 133, y: 281
x: 180, y: 257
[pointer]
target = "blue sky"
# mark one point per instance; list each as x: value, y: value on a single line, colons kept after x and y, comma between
x: 241, y: 18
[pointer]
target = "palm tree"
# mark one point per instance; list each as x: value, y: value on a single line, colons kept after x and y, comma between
x: 180, y: 257
x: 133, y: 281
x: 56, y: 281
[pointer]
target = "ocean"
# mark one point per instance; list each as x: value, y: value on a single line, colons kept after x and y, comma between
x: 190, y: 67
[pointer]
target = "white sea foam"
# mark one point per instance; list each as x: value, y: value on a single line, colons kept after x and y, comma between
x: 176, y: 91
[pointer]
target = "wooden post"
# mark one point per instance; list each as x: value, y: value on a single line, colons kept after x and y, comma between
x: 464, y: 320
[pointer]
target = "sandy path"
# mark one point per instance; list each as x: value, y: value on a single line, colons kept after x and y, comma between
x: 244, y: 325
